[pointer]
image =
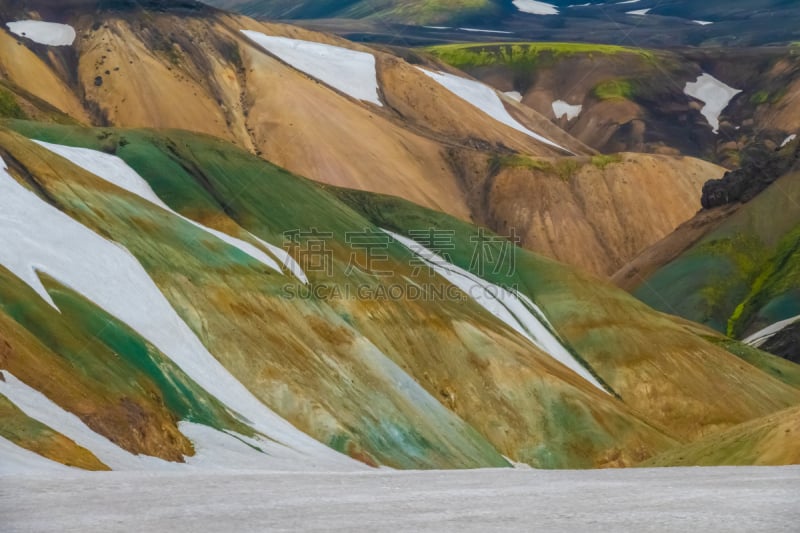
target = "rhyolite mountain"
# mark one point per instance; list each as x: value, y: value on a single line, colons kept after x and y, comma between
x: 163, y: 335
x: 234, y: 244
x: 444, y: 142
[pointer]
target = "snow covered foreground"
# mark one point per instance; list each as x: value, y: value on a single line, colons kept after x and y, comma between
x: 636, y: 500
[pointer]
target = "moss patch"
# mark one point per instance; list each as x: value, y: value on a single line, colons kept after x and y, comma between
x: 602, y: 161
x: 614, y: 90
x: 9, y: 108
x: 524, y: 56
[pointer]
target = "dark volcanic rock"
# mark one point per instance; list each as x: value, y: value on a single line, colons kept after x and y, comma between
x: 785, y: 343
x: 761, y: 167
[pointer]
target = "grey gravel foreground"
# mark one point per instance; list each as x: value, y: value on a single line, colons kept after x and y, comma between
x: 636, y: 500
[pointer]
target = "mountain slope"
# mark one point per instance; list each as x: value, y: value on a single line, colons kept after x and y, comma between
x: 401, y: 381
x: 771, y: 440
x: 617, y: 98
x: 424, y: 12
x: 734, y: 266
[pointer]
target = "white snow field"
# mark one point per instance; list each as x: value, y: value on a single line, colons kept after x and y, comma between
x: 48, y: 33
x: 535, y: 7
x: 486, y: 99
x: 562, y: 108
x: 514, y: 309
x: 37, y: 237
x: 719, y: 500
x: 346, y: 70
x: 114, y: 170
x: 714, y: 94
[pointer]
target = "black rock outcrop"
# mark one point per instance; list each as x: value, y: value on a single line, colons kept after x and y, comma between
x: 785, y: 343
x: 761, y: 167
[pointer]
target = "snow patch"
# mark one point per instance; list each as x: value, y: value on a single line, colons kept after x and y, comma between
x: 762, y: 336
x: 788, y: 139
x: 48, y: 33
x: 702, y: 22
x: 561, y: 108
x: 114, y: 170
x: 36, y: 236
x: 714, y: 94
x: 486, y: 99
x: 486, y: 31
x: 640, y: 12
x: 511, y: 307
x: 535, y: 7
x: 346, y: 70
x: 514, y: 95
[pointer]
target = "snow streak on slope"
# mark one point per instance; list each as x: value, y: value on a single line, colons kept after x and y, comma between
x: 714, y: 94
x: 214, y: 449
x: 536, y: 7
x: 486, y: 99
x: 113, y: 169
x: 561, y: 108
x: 513, y: 308
x: 349, y: 71
x: 286, y: 260
x: 49, y: 33
x: 39, y: 407
x: 17, y: 460
x: 35, y: 236
x: 760, y: 337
